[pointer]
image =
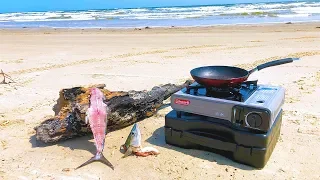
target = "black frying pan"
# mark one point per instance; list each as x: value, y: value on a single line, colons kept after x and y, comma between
x: 228, y: 76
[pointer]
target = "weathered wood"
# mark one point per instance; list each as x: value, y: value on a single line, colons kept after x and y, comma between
x: 124, y: 109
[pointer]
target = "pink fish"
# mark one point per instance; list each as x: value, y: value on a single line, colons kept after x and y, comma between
x: 96, y: 115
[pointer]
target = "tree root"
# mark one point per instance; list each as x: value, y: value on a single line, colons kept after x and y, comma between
x: 4, y: 78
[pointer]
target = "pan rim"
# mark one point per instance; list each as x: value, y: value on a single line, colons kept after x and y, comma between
x: 201, y: 67
x: 229, y: 79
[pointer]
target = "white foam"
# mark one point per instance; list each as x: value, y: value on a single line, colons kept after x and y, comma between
x: 280, y: 5
x: 304, y: 10
x: 282, y: 10
x: 138, y: 10
x: 293, y: 15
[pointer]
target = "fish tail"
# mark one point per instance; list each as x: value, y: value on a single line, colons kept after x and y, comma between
x: 98, y: 157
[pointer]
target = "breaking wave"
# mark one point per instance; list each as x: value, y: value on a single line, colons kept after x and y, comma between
x: 283, y: 10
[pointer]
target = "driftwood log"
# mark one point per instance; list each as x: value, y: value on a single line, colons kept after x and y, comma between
x: 125, y: 108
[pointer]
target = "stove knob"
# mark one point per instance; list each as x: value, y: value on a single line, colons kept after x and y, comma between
x: 254, y: 120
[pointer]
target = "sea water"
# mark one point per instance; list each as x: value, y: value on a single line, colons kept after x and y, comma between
x: 254, y: 13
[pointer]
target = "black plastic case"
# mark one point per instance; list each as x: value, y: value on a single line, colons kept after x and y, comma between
x: 245, y: 146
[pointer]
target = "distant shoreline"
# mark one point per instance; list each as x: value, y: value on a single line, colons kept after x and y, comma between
x: 187, y: 16
x: 166, y: 27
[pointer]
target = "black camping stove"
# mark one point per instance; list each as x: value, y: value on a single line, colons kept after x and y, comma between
x: 242, y: 123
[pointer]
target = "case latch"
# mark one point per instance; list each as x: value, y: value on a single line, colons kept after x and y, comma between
x: 172, y: 132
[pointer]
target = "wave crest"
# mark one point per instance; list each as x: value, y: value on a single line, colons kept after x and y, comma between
x: 280, y: 10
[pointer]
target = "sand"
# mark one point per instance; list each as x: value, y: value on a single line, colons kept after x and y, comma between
x: 43, y: 61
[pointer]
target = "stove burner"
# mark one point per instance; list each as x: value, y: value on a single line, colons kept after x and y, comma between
x: 229, y: 93
x: 225, y: 93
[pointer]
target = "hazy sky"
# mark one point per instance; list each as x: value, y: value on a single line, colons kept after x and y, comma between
x: 45, y: 5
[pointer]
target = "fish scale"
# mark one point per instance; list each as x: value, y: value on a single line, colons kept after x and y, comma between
x: 98, y: 129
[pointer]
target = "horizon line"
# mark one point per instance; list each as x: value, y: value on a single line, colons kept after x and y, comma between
x: 99, y: 9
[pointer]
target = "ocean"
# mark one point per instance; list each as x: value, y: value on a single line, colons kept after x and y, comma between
x: 254, y: 13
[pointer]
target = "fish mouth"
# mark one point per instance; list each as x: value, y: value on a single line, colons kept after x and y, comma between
x: 135, y: 127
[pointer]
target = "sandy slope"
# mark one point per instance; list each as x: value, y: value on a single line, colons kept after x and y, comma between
x: 44, y: 61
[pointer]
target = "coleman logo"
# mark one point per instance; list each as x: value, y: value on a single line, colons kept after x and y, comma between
x: 182, y: 102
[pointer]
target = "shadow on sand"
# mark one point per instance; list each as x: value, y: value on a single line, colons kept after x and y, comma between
x: 82, y: 143
x: 158, y: 139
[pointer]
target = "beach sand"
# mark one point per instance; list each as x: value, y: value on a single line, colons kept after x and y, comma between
x: 43, y: 61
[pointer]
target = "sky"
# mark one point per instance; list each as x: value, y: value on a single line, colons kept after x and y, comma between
x: 52, y: 5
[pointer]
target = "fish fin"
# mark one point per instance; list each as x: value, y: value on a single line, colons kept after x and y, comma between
x: 106, y: 120
x: 87, y: 116
x: 106, y: 162
x: 127, y: 153
x: 97, y: 157
x: 87, y: 162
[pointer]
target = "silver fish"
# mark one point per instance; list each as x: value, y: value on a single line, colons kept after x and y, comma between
x: 96, y: 116
x: 133, y: 144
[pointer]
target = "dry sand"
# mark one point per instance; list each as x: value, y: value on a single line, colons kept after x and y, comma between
x: 44, y: 61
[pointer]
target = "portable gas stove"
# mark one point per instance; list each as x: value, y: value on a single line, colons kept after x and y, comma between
x: 241, y: 122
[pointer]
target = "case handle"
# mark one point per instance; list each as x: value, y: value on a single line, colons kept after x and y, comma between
x: 209, y: 142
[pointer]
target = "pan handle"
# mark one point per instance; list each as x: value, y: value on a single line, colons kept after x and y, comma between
x: 273, y: 63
